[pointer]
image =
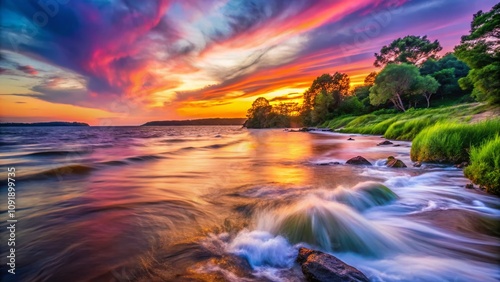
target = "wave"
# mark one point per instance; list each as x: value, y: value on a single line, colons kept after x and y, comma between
x: 59, y: 172
x: 55, y: 153
x: 144, y: 158
x: 329, y: 225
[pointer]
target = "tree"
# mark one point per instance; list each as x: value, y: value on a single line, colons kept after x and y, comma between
x: 480, y: 50
x: 322, y: 105
x: 447, y: 71
x: 362, y: 92
x: 394, y: 83
x: 287, y: 109
x: 258, y: 114
x: 426, y: 86
x: 336, y: 86
x: 410, y: 49
x: 370, y: 78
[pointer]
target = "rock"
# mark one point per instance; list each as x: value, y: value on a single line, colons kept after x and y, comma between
x: 394, y: 163
x: 350, y: 139
x: 359, y: 160
x: 386, y: 142
x: 417, y: 164
x: 304, y: 129
x: 462, y: 165
x: 469, y: 186
x: 397, y: 145
x: 318, y: 266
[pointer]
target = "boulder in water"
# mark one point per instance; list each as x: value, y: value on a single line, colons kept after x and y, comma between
x: 359, y: 160
x: 417, y: 164
x: 395, y: 163
x: 350, y: 139
x: 319, y: 266
x: 386, y: 142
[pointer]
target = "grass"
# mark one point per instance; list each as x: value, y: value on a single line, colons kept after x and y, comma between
x: 451, y: 142
x: 485, y: 165
x: 442, y: 134
x: 403, y: 126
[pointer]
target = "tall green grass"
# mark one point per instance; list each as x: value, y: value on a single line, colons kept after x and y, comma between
x: 485, y: 165
x: 451, y: 142
x: 408, y: 129
x: 403, y: 126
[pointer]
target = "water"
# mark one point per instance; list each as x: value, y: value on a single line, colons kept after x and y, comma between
x: 207, y: 203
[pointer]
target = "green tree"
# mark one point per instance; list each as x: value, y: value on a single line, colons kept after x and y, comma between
x: 426, y: 86
x: 336, y: 86
x: 322, y: 104
x: 351, y: 105
x: 258, y: 114
x: 362, y: 92
x: 447, y: 71
x: 394, y: 83
x: 409, y: 49
x: 480, y: 50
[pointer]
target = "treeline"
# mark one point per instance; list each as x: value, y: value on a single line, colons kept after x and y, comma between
x: 264, y: 115
x: 412, y: 76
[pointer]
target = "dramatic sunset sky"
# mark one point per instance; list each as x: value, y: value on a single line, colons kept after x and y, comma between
x: 125, y: 62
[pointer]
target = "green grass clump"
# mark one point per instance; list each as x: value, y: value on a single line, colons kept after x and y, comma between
x: 408, y: 129
x: 339, y: 122
x: 485, y: 165
x: 451, y: 142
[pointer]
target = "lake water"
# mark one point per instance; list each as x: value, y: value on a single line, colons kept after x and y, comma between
x: 207, y: 203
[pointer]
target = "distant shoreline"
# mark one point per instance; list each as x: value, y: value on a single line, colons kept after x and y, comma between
x: 52, y: 123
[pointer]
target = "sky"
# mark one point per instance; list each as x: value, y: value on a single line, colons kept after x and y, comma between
x: 125, y: 62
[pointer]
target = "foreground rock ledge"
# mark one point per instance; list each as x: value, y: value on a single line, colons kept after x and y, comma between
x: 318, y: 267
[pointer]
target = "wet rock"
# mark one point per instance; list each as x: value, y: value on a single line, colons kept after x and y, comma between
x: 359, y: 160
x: 397, y: 145
x: 386, y: 142
x: 318, y: 266
x: 469, y: 186
x: 417, y: 164
x: 394, y: 163
x: 462, y: 165
x: 350, y: 139
x: 304, y: 129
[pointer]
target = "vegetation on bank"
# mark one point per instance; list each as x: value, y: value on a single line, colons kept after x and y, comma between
x: 404, y: 126
x: 452, y: 142
x: 400, y: 101
x: 485, y: 165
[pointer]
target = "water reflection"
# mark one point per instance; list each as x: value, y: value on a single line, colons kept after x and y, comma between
x: 164, y: 203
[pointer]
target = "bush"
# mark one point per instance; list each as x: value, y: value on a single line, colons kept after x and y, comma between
x: 451, y: 142
x: 485, y: 165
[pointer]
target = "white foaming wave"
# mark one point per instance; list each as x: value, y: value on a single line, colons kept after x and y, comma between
x: 262, y: 248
